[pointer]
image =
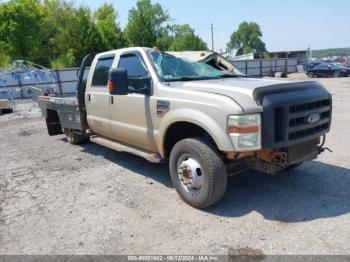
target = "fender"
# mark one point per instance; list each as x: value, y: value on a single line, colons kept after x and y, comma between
x: 198, y: 118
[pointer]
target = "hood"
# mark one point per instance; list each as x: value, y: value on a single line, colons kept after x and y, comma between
x: 241, y: 90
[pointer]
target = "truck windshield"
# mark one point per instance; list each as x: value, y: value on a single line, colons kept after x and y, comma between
x: 172, y: 68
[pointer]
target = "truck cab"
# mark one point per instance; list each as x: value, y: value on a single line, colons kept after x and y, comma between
x: 196, y: 111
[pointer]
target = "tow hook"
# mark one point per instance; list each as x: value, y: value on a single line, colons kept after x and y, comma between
x: 321, y: 149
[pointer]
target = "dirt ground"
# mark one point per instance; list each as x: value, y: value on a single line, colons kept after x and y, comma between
x: 57, y: 198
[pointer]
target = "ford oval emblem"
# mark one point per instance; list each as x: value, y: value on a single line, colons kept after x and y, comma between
x: 313, y: 118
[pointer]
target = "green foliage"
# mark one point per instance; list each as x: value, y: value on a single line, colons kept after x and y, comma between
x: 331, y: 52
x: 59, y: 34
x: 5, y: 60
x: 55, y: 32
x: 20, y: 27
x: 146, y: 24
x: 247, y: 39
x: 79, y: 36
x: 267, y: 55
x: 112, y: 36
x: 64, y: 60
x: 186, y: 39
x: 56, y: 13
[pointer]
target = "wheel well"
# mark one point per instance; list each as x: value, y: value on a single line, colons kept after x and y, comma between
x: 181, y: 130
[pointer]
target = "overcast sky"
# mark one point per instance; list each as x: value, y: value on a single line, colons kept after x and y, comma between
x: 286, y: 25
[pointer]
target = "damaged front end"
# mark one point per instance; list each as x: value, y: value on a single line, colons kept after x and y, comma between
x: 273, y: 161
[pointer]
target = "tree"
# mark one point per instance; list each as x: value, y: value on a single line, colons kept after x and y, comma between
x: 247, y: 39
x: 186, y: 39
x: 146, y: 24
x: 112, y: 37
x: 5, y: 60
x: 20, y: 28
x: 78, y: 36
x: 56, y: 14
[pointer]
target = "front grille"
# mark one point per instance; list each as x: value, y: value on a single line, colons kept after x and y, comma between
x: 299, y: 126
x: 298, y: 121
x: 286, y: 124
x: 307, y: 132
x: 291, y: 121
x: 309, y: 106
x: 294, y: 113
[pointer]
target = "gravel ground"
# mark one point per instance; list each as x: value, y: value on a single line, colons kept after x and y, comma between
x: 57, y: 198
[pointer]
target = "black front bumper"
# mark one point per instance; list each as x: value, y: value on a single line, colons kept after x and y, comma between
x: 286, y: 113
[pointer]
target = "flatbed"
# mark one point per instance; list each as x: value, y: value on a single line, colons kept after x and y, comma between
x: 67, y: 113
x: 62, y: 113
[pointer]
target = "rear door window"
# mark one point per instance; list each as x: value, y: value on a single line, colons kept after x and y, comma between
x: 100, y: 77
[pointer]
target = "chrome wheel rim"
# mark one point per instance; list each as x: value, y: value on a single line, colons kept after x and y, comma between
x: 190, y: 173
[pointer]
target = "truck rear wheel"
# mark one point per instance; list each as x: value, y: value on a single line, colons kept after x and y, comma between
x: 197, y: 172
x: 74, y: 138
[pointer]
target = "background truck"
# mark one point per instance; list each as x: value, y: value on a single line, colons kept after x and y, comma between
x: 195, y: 110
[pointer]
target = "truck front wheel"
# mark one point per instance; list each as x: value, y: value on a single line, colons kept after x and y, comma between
x: 197, y: 172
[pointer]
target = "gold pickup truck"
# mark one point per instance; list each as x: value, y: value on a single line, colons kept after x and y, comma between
x: 196, y: 111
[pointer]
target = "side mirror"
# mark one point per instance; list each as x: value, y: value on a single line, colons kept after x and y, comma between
x: 118, y: 83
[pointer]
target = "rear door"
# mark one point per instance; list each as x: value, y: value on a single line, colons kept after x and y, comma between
x: 97, y: 97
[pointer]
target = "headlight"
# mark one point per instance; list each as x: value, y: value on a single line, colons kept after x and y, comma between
x: 244, y: 131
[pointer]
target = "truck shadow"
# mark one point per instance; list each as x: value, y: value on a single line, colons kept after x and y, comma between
x: 157, y: 172
x: 314, y: 190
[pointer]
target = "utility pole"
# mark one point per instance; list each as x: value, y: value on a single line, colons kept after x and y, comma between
x: 212, y: 37
x: 309, y: 51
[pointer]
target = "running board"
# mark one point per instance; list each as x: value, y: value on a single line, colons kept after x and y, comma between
x: 154, y: 158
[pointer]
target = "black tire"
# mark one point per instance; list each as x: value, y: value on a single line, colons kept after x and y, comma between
x: 74, y: 138
x: 213, y: 172
x: 310, y: 74
x: 337, y: 74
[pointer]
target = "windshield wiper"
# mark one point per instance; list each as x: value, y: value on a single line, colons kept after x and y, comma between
x: 230, y: 75
x: 188, y: 78
x: 195, y: 78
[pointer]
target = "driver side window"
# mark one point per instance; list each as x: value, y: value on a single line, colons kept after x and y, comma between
x: 136, y: 70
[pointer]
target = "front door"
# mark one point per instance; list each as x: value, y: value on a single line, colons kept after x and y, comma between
x: 131, y: 119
